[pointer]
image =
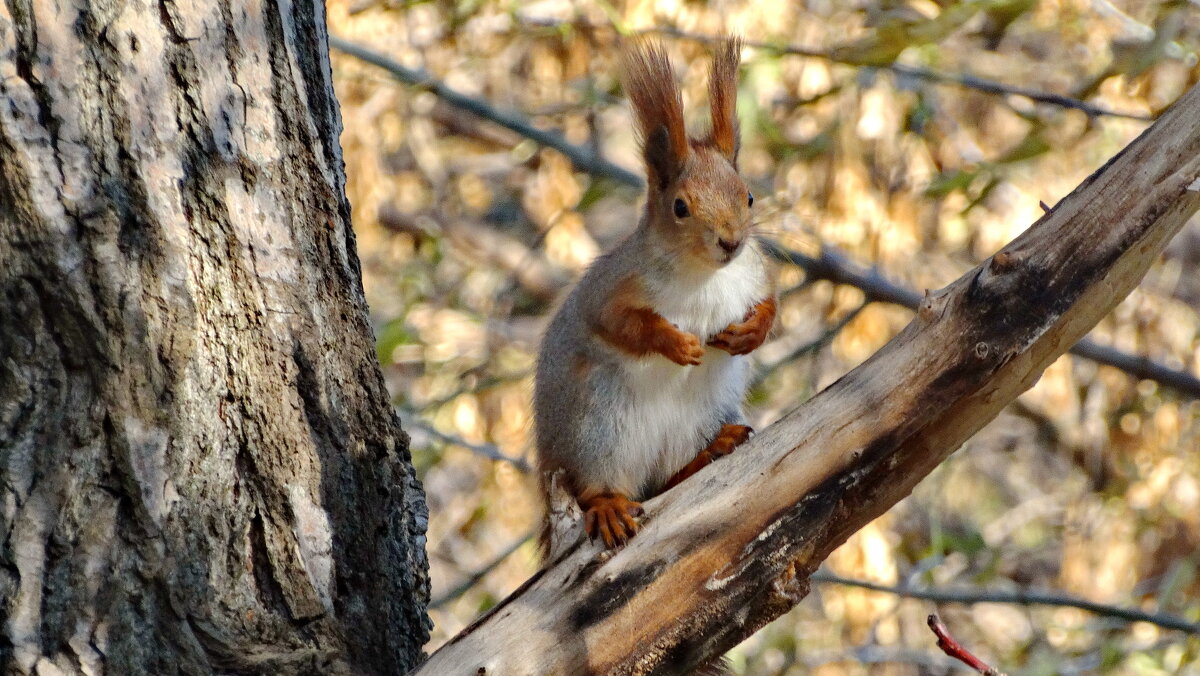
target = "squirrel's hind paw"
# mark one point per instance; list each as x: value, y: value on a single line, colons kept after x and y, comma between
x: 611, y: 516
x: 730, y: 437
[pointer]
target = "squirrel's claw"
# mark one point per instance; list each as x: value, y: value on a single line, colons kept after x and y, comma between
x: 611, y: 516
x: 738, y: 339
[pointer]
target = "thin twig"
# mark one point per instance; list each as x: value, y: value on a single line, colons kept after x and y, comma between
x: 483, y: 385
x: 955, y: 649
x: 489, y: 451
x: 828, y: 266
x: 962, y: 80
x: 1021, y: 598
x: 813, y: 345
x: 475, y: 577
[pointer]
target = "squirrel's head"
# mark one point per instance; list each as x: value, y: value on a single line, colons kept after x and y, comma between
x: 694, y: 193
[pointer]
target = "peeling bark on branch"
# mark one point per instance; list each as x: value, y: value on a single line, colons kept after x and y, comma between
x: 200, y: 469
x: 732, y: 548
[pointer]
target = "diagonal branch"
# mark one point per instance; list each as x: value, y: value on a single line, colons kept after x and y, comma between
x: 733, y: 547
x: 583, y: 159
x: 475, y: 577
x: 877, y: 287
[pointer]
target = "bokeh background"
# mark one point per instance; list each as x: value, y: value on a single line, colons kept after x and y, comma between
x: 857, y: 140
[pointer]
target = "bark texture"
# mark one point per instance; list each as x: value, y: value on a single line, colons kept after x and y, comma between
x: 200, y: 468
x: 732, y: 548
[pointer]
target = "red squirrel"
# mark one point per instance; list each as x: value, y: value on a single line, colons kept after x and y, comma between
x: 641, y: 374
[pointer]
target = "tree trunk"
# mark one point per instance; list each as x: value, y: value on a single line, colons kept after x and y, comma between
x: 201, y: 467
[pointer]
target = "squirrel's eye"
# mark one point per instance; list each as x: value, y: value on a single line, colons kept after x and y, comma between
x: 681, y: 210
x: 750, y: 202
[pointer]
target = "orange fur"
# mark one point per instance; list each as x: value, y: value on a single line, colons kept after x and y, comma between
x: 729, y: 438
x: 745, y: 336
x: 627, y: 323
x: 722, y: 98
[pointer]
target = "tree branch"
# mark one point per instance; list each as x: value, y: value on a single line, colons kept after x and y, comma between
x: 828, y: 266
x: 583, y: 159
x: 733, y: 547
x: 814, y: 345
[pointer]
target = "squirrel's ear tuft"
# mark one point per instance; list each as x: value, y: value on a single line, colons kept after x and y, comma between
x: 658, y: 109
x: 722, y: 98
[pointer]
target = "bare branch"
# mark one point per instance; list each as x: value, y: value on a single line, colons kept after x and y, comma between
x: 957, y: 596
x: 1142, y: 367
x: 955, y: 649
x: 583, y: 159
x: 1019, y: 597
x: 733, y: 547
x: 814, y: 345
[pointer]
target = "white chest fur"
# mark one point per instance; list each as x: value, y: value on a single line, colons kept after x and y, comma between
x: 705, y: 303
x: 673, y: 409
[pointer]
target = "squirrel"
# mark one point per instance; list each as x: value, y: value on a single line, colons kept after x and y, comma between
x: 641, y: 374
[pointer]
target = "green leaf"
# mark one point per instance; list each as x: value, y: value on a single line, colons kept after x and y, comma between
x: 949, y: 181
x: 1031, y: 146
x: 390, y: 336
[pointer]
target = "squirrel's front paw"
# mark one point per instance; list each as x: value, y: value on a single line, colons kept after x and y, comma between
x: 745, y: 336
x: 611, y: 516
x: 684, y: 349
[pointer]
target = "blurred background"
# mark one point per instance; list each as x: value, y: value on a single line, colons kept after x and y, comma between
x: 902, y: 142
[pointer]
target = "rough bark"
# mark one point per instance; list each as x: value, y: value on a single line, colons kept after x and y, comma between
x: 732, y: 548
x: 201, y: 470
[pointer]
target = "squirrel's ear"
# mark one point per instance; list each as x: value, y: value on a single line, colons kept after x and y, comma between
x: 722, y: 98
x: 658, y: 109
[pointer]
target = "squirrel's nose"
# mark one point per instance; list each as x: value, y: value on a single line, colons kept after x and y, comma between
x: 729, y: 245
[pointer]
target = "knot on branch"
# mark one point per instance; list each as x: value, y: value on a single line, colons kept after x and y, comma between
x: 981, y: 350
x: 933, y: 305
x: 1003, y: 261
